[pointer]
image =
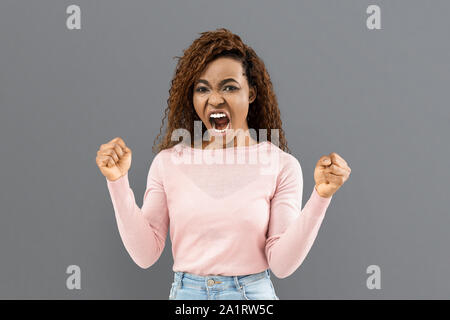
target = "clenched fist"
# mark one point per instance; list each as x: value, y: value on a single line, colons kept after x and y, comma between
x: 330, y: 174
x: 114, y: 159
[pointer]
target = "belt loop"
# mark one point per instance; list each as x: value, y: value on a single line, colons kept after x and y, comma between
x: 268, y: 272
x: 179, y: 276
x: 236, y: 282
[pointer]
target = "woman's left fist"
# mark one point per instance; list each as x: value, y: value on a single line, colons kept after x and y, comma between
x: 330, y: 174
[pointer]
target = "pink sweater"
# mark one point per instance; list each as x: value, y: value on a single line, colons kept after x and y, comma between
x: 227, y: 216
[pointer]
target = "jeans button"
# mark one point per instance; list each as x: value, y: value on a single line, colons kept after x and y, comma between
x: 210, y: 282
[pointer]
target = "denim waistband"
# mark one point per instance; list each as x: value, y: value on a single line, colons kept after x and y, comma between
x: 240, y: 280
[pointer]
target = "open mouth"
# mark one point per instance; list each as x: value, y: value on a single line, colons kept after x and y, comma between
x: 219, y: 121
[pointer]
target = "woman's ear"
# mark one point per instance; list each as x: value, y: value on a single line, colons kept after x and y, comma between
x: 252, y: 95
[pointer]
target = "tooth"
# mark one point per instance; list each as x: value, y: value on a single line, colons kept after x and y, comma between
x: 218, y: 115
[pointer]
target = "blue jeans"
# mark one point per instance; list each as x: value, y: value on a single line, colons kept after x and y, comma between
x: 188, y: 286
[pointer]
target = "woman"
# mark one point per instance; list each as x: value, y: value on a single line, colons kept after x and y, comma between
x: 231, y: 223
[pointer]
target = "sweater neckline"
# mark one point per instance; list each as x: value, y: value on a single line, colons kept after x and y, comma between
x: 229, y: 149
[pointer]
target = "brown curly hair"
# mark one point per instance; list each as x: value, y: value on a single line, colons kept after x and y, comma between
x: 263, y: 112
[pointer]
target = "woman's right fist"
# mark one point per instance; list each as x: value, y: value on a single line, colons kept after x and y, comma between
x: 114, y: 159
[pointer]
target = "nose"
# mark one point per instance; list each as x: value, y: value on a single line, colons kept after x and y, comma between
x: 215, y: 99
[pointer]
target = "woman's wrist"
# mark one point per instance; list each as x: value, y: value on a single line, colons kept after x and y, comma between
x: 322, y: 195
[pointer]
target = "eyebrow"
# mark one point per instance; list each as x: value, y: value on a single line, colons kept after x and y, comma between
x: 220, y: 83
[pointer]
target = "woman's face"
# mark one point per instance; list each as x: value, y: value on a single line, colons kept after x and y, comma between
x: 223, y: 87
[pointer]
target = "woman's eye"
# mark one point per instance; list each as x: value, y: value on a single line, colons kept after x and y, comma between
x: 234, y: 88
x: 200, y: 89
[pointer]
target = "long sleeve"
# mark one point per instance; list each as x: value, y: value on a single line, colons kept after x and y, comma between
x: 291, y: 233
x: 143, y: 231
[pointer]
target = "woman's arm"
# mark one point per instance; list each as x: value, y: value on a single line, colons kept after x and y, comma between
x: 292, y: 231
x: 143, y: 231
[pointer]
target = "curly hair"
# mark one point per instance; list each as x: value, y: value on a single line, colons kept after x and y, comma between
x: 263, y: 112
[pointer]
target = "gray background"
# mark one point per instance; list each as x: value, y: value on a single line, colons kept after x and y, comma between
x: 379, y: 98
